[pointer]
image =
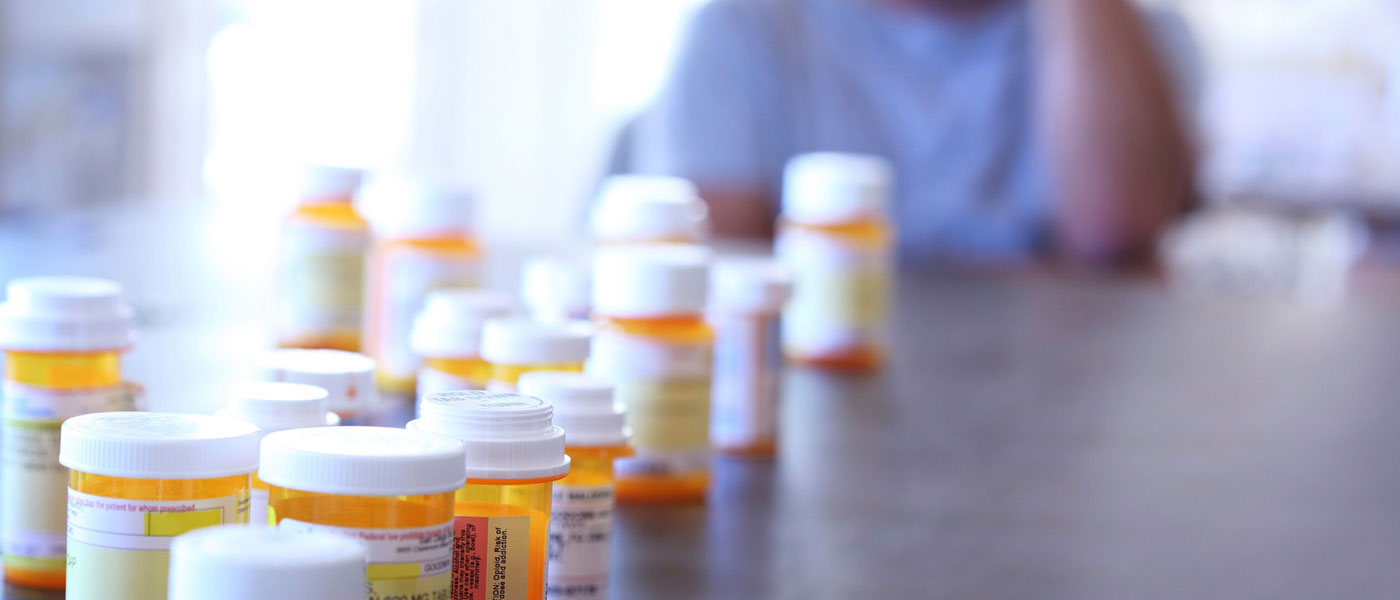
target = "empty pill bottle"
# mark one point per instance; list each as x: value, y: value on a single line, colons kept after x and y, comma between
x: 555, y: 289
x: 581, y: 514
x: 746, y: 304
x: 514, y: 454
x: 653, y: 345
x: 648, y: 209
x: 136, y: 480
x: 276, y: 406
x: 63, y: 339
x: 426, y: 242
x: 835, y: 237
x: 447, y: 336
x: 516, y: 345
x: 390, y: 489
x: 347, y: 377
x: 242, y: 562
x: 322, y: 250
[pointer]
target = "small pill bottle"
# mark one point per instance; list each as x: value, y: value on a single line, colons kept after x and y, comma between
x: 649, y: 209
x: 63, y: 339
x: 347, y: 377
x: 581, y: 515
x: 322, y: 250
x: 516, y: 345
x: 136, y: 480
x: 653, y: 345
x: 835, y: 237
x: 746, y: 304
x: 555, y: 289
x: 447, y: 336
x: 243, y: 562
x: 388, y: 488
x: 514, y: 454
x: 426, y: 242
x: 276, y: 406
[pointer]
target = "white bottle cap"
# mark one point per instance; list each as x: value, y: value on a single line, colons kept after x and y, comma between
x: 749, y: 285
x: 507, y: 436
x: 361, y: 461
x: 64, y: 314
x: 238, y: 562
x: 450, y: 323
x: 649, y: 208
x: 329, y: 183
x: 149, y: 445
x: 650, y: 281
x: 522, y: 341
x: 416, y: 209
x: 828, y: 188
x: 275, y: 406
x: 347, y: 377
x: 584, y: 406
x: 555, y: 288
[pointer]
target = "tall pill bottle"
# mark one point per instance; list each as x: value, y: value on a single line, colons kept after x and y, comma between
x: 517, y: 345
x: 322, y: 250
x: 245, y: 562
x: 136, y: 480
x: 649, y: 209
x: 514, y: 454
x: 426, y: 242
x: 835, y: 237
x: 347, y: 377
x: 746, y: 304
x: 276, y: 406
x: 580, y: 522
x: 555, y: 289
x: 653, y: 344
x: 63, y: 339
x: 388, y: 488
x: 447, y: 336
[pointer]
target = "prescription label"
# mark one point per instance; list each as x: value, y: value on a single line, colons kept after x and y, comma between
x: 404, y: 564
x: 33, y: 484
x: 491, y: 558
x: 120, y: 549
x: 580, y: 532
x: 322, y: 280
x: 748, y: 370
x: 841, y: 293
x: 404, y: 278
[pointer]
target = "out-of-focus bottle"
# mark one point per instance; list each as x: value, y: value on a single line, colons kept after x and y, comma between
x: 649, y: 209
x: 323, y: 246
x: 555, y: 289
x: 746, y: 303
x: 835, y: 238
x: 514, y: 346
x: 447, y: 335
x: 347, y: 377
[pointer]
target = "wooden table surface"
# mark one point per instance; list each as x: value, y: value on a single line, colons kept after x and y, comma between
x: 1034, y: 437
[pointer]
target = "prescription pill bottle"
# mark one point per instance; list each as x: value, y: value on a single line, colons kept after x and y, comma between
x: 835, y: 237
x: 516, y: 345
x: 63, y: 339
x: 247, y: 562
x: 514, y: 454
x: 426, y: 243
x: 746, y: 303
x: 136, y: 480
x: 555, y: 288
x: 580, y: 522
x: 389, y: 488
x: 347, y: 377
x: 322, y: 252
x: 649, y: 209
x: 276, y: 406
x: 447, y: 336
x: 653, y: 344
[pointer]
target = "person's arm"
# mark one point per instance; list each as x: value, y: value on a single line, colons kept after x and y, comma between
x: 1123, y: 168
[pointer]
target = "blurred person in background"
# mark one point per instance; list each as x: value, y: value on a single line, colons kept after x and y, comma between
x: 1016, y: 127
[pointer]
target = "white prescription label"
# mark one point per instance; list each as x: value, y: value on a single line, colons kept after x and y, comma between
x: 403, y: 563
x: 841, y: 293
x: 748, y: 369
x: 580, y: 534
x: 405, y: 277
x: 322, y: 280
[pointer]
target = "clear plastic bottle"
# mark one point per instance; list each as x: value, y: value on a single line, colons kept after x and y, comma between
x: 242, y: 562
x: 447, y: 335
x: 746, y: 303
x: 323, y: 246
x: 649, y: 209
x: 515, y: 345
x: 277, y: 406
x: 347, y: 377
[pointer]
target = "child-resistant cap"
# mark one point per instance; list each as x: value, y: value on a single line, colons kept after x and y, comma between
x: 421, y: 208
x: 347, y: 377
x: 750, y: 285
x: 238, y: 562
x: 274, y: 405
x: 650, y: 281
x: 321, y: 182
x: 523, y: 341
x: 149, y: 445
x: 507, y: 436
x: 64, y: 314
x: 646, y: 208
x: 583, y: 406
x: 826, y: 188
x: 555, y: 288
x: 361, y: 461
x: 450, y: 323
